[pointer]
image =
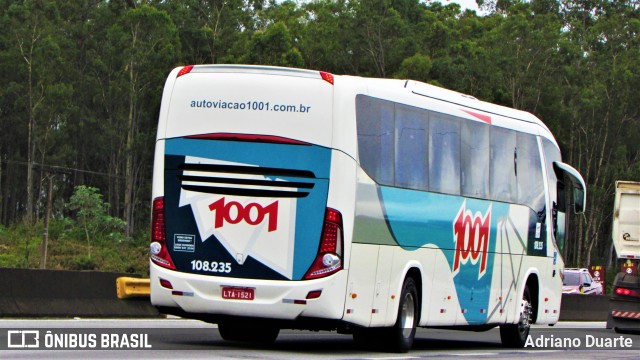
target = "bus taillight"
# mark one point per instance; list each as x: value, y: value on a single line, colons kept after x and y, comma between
x: 329, y: 257
x: 328, y: 77
x: 158, y: 247
x: 185, y: 70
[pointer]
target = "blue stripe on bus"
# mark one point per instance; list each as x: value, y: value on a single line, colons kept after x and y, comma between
x: 418, y: 218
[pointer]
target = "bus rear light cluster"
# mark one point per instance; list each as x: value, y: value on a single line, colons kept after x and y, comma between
x: 329, y: 257
x: 158, y: 248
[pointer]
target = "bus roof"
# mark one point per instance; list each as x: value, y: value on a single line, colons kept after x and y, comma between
x: 398, y: 86
x: 257, y: 69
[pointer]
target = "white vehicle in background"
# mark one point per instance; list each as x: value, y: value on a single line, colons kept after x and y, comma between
x: 288, y: 198
x: 580, y: 282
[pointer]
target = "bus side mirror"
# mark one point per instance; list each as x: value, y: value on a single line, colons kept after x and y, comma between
x: 577, y: 182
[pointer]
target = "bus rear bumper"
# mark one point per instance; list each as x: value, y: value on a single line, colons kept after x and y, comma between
x: 200, y: 296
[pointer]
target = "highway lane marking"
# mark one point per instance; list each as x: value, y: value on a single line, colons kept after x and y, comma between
x: 393, y: 358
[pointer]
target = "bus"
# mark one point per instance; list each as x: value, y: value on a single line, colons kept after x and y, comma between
x: 296, y: 199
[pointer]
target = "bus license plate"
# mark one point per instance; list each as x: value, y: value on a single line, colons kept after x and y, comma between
x: 237, y: 293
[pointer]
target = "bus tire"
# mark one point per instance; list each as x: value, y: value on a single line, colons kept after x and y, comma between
x: 247, y: 332
x: 515, y: 335
x: 399, y: 338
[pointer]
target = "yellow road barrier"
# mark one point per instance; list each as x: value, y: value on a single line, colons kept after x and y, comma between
x: 127, y: 287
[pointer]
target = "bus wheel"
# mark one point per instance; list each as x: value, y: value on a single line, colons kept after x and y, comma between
x: 400, y: 337
x: 515, y: 335
x: 247, y: 332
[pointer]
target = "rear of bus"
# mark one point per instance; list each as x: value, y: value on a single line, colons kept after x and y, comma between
x: 241, y: 227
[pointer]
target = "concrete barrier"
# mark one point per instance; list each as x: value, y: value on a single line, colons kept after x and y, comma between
x: 56, y: 293
x: 584, y: 308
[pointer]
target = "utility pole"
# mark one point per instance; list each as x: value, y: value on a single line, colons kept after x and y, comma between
x: 45, y: 234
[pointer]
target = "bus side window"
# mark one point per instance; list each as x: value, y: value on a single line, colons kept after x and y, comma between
x: 444, y: 154
x: 376, y: 138
x: 474, y: 177
x: 503, y: 173
x: 411, y: 147
x: 556, y: 193
x: 529, y: 175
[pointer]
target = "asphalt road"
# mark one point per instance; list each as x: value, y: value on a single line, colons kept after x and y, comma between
x: 188, y: 339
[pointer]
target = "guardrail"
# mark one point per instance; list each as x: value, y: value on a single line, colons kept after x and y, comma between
x: 129, y: 287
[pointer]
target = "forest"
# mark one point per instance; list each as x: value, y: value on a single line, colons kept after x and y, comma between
x: 82, y: 82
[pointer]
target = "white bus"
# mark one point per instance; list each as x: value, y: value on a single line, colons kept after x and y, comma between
x: 288, y: 198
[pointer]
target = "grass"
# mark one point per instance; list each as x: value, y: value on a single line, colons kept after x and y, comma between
x: 21, y: 245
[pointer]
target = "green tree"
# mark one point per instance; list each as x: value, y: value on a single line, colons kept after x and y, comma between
x: 524, y: 56
x: 273, y: 46
x: 325, y: 42
x: 455, y: 42
x: 35, y: 50
x: 601, y: 53
x: 139, y: 49
x: 416, y: 67
x: 381, y: 34
x: 212, y: 31
x: 91, y: 214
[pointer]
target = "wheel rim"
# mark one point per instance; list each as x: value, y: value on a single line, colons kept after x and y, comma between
x: 408, y: 315
x: 525, y: 318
